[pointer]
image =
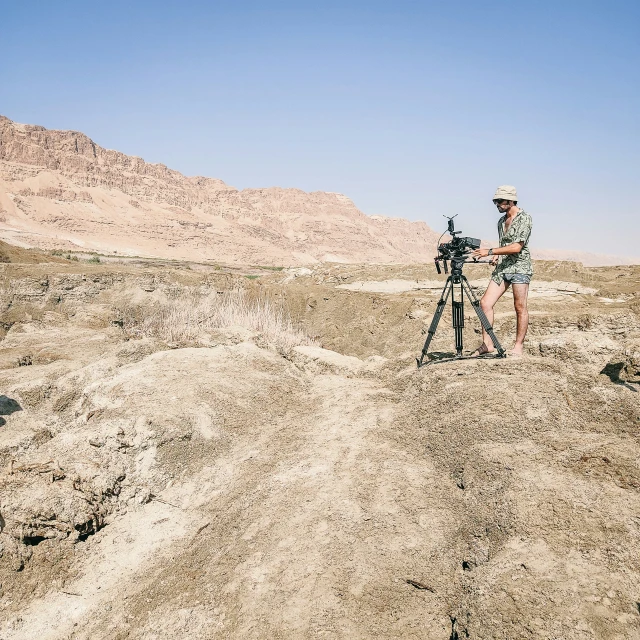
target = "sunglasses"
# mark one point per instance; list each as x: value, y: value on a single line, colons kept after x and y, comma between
x: 499, y: 201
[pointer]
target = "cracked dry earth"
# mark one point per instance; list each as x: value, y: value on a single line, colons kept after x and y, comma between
x: 228, y: 488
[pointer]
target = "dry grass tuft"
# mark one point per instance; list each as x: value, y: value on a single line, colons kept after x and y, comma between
x: 189, y: 316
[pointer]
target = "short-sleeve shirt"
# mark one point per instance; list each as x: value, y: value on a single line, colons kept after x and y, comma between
x: 518, y: 231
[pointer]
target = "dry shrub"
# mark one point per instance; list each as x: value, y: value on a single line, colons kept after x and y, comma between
x: 187, y: 317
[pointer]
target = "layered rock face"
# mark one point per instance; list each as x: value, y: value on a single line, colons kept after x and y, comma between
x: 58, y: 189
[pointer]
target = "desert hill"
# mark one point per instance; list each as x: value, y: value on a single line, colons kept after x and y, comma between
x: 11, y: 253
x: 58, y: 189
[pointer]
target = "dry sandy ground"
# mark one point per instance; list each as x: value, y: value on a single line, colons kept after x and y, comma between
x: 225, y: 488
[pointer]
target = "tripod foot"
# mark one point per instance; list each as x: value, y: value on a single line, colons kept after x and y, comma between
x: 480, y: 351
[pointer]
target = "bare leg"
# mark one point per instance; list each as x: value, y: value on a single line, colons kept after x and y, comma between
x: 491, y: 296
x: 520, y: 293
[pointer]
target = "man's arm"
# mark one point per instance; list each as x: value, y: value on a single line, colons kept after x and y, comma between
x: 514, y: 247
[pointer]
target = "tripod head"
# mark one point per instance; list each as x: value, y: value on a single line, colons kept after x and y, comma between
x: 456, y: 251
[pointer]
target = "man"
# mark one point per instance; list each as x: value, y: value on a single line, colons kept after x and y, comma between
x: 515, y: 268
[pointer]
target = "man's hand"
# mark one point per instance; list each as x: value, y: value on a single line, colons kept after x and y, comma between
x: 483, y: 253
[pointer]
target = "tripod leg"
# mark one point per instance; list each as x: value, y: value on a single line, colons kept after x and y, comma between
x: 484, y: 321
x: 436, y: 318
x: 457, y: 311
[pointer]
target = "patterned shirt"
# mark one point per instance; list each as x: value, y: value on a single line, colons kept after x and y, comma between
x: 518, y: 231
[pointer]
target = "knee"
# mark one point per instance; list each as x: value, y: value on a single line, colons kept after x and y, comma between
x: 521, y: 308
x: 486, y: 305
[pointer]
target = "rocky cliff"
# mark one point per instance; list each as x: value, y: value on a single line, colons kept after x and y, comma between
x: 59, y: 189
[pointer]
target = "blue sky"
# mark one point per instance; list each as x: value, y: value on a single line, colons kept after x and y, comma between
x: 412, y: 109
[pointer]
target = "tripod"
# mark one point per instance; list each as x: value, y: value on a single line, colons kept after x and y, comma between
x: 457, y: 311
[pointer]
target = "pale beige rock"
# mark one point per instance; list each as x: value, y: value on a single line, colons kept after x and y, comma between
x: 537, y: 289
x: 316, y: 357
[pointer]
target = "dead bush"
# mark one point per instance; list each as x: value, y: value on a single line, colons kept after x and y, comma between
x: 188, y: 316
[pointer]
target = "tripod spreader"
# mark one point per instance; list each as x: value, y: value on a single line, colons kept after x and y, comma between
x: 457, y: 312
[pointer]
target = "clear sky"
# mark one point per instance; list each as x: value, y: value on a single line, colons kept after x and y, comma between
x: 411, y: 108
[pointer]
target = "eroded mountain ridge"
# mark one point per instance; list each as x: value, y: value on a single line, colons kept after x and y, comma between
x: 59, y: 189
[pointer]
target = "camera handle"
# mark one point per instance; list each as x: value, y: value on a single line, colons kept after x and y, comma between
x: 444, y: 262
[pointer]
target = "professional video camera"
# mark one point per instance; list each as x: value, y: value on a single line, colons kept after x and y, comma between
x: 456, y: 250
